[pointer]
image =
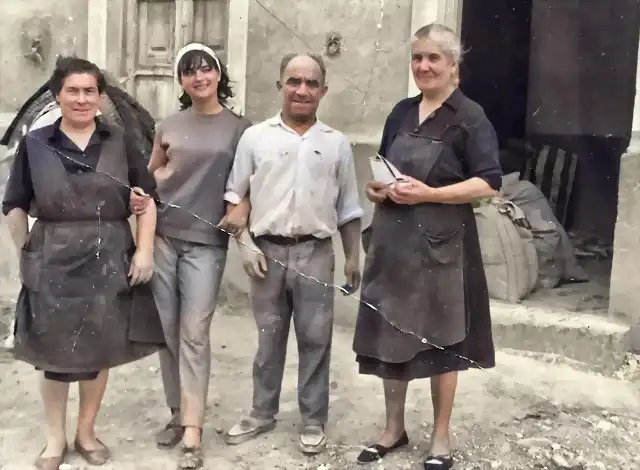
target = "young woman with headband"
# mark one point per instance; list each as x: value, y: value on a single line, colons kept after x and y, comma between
x: 191, y: 161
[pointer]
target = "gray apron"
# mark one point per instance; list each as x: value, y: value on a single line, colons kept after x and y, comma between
x: 413, y: 272
x: 76, y: 311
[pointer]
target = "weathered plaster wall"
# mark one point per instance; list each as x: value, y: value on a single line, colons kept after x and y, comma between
x: 625, y: 282
x: 365, y: 80
x: 61, y: 27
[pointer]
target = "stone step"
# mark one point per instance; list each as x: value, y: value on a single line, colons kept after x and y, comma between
x: 600, y: 342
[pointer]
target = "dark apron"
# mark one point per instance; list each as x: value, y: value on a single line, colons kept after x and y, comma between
x: 413, y: 272
x: 76, y: 311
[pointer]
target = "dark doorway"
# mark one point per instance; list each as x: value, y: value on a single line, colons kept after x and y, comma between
x: 495, y: 69
x: 560, y: 75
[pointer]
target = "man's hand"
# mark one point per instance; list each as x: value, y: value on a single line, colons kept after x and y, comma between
x: 138, y: 201
x: 350, y: 235
x: 352, y: 273
x: 376, y: 192
x: 253, y: 259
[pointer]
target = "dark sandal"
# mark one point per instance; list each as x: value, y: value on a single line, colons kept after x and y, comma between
x: 440, y: 462
x: 170, y: 436
x: 377, y: 452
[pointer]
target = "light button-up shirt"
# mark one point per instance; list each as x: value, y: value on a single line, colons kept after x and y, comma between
x: 298, y: 184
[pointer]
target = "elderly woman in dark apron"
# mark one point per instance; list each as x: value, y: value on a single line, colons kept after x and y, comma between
x: 426, y: 309
x: 84, y: 306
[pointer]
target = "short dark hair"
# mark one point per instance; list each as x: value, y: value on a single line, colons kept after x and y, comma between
x: 316, y: 57
x: 71, y: 65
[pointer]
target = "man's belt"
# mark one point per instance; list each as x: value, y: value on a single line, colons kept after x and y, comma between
x: 287, y: 241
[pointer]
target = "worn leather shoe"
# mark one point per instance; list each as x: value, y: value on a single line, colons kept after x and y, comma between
x: 51, y: 463
x: 313, y: 440
x: 94, y: 457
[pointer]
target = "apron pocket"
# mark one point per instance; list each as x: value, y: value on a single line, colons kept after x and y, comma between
x: 442, y: 249
x: 30, y: 267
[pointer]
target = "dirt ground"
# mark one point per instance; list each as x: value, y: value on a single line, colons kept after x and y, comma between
x: 502, y: 419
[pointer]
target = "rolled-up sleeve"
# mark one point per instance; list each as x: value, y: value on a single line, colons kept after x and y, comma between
x: 19, y: 192
x: 348, y: 204
x: 481, y: 155
x: 242, y: 169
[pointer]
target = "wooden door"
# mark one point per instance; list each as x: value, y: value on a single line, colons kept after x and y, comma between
x: 152, y: 32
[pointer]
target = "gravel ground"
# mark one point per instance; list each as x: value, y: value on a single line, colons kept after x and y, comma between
x: 527, y: 413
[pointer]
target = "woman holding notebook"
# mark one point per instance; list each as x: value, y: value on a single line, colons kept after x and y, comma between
x: 426, y: 309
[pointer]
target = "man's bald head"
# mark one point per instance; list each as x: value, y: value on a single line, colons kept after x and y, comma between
x: 308, y: 60
x: 302, y: 83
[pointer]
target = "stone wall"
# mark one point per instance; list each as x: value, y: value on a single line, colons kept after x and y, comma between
x: 366, y: 78
x: 33, y: 34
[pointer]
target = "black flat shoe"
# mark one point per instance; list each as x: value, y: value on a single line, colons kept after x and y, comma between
x: 377, y: 452
x: 441, y: 462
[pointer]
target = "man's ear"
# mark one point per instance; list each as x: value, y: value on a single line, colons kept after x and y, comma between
x: 279, y: 85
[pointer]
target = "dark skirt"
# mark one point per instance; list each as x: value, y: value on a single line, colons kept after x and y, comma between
x: 70, y: 377
x: 475, y: 351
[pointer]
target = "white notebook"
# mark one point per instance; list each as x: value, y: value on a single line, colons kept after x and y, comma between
x: 383, y: 171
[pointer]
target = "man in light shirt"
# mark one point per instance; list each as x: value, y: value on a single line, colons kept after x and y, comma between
x: 299, y: 176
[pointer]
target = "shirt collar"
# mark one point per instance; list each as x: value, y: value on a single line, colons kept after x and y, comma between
x: 277, y: 121
x: 453, y: 102
x: 102, y: 129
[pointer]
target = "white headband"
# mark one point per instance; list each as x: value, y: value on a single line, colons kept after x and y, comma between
x: 195, y: 47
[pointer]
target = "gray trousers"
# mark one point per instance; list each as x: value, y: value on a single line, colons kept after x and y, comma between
x: 185, y: 286
x: 285, y: 294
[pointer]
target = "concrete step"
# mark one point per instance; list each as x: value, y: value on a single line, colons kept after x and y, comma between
x: 599, y: 342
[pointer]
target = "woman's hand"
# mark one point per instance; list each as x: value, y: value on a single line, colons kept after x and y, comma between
x: 141, y: 267
x: 411, y: 191
x: 237, y: 218
x: 138, y: 201
x: 376, y: 192
x: 233, y: 223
